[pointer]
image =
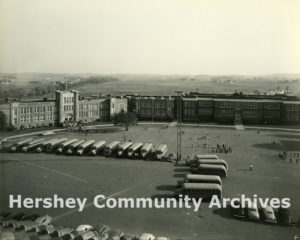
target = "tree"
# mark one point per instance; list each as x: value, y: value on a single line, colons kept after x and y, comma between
x: 125, y: 118
x: 131, y: 105
x: 3, y: 121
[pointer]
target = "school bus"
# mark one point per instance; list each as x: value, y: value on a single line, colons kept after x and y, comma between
x: 197, y: 178
x: 210, y: 169
x: 200, y: 190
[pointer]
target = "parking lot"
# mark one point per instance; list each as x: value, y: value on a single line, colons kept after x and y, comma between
x: 42, y: 175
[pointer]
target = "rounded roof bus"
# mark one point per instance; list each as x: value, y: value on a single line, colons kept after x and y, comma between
x: 111, y: 148
x: 123, y: 148
x: 206, y: 156
x: 53, y: 144
x: 161, y: 151
x: 134, y: 148
x: 197, y: 178
x: 210, y: 169
x: 97, y: 146
x: 32, y: 144
x: 84, y: 147
x: 65, y: 144
x: 200, y: 190
x: 42, y: 145
x: 73, y: 146
x: 146, y: 149
x: 214, y: 162
x: 20, y: 144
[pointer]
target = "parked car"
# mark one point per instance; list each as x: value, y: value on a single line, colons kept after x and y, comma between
x: 48, y: 133
x: 3, y: 140
x: 268, y: 214
x: 238, y: 212
x: 285, y: 217
x: 252, y: 212
x: 147, y: 236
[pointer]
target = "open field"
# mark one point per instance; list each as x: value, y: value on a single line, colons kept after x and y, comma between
x: 148, y: 84
x: 42, y: 175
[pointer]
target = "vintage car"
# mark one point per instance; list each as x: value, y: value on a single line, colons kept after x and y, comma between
x: 252, y: 212
x: 47, y: 133
x: 147, y: 236
x: 285, y: 217
x: 238, y: 212
x: 268, y: 214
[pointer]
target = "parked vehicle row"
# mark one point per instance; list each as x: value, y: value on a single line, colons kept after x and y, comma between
x: 267, y: 214
x: 80, y: 147
x: 33, y: 226
x: 205, y: 180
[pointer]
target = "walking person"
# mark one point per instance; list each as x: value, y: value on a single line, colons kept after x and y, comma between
x: 251, y: 167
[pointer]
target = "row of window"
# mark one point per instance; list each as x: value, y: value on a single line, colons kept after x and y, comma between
x: 189, y: 103
x: 189, y: 112
x: 294, y: 116
x: 89, y: 114
x: 146, y: 111
x: 205, y: 110
x: 36, y: 109
x: 160, y: 112
x: 68, y: 107
x: 68, y: 100
x: 36, y: 118
x: 205, y: 103
x: 272, y: 105
x: 226, y: 111
x: 89, y: 106
x: 292, y: 107
x: 271, y: 113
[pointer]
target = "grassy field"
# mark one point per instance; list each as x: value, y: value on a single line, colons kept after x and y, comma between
x: 157, y: 84
x: 41, y: 175
x: 168, y: 87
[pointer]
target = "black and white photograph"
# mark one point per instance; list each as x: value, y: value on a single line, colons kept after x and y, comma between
x: 149, y: 119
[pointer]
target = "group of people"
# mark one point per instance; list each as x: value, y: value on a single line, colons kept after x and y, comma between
x: 291, y: 156
x: 221, y: 148
x: 77, y: 127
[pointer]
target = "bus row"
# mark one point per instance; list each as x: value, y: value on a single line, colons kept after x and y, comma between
x: 199, y: 186
x: 209, y: 164
x: 90, y: 147
x: 205, y: 180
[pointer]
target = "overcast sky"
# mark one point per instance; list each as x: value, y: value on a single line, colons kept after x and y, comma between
x: 164, y: 37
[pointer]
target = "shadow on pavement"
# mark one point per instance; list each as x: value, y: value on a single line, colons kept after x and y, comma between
x: 181, y: 170
x: 269, y: 146
x: 286, y: 136
x: 179, y: 175
x: 165, y: 188
x: 223, y: 212
x: 162, y: 196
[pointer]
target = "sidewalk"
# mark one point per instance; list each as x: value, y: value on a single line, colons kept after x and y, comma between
x: 170, y: 124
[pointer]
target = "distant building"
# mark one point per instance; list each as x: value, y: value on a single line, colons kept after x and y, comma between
x: 117, y: 104
x: 68, y: 106
x: 248, y: 109
x: 28, y: 114
x: 154, y: 108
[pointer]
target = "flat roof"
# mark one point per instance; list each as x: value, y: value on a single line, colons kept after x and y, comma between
x: 204, y: 186
x: 202, y: 177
